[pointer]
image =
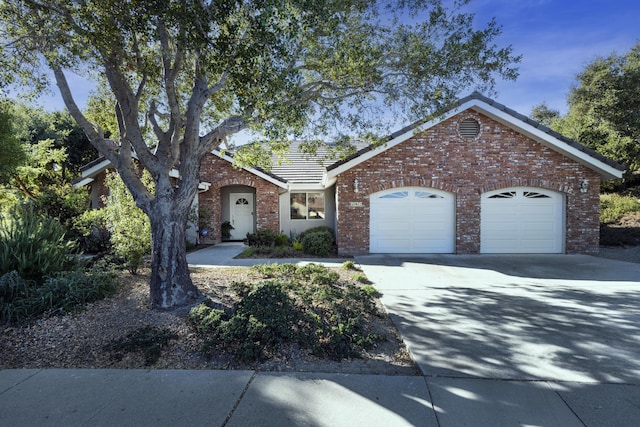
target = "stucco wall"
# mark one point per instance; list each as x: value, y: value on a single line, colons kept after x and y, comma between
x: 498, y: 158
x: 295, y: 226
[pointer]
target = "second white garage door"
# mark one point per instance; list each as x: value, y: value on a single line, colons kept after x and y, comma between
x: 522, y: 220
x: 412, y: 220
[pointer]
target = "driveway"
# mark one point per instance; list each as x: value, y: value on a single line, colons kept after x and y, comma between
x: 517, y: 317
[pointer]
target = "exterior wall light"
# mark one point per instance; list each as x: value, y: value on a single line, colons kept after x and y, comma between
x: 355, y: 185
x: 584, y: 185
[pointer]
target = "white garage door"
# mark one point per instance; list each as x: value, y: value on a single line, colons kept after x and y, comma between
x: 522, y: 220
x: 412, y: 220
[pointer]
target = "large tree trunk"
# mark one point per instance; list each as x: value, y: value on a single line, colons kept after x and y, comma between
x: 171, y: 285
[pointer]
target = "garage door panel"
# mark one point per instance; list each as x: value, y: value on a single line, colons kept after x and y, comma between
x: 423, y: 221
x: 392, y: 226
x: 522, y: 220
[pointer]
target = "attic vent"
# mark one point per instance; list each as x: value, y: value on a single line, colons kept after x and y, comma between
x: 469, y: 128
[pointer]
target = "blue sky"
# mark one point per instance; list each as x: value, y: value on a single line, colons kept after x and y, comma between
x: 557, y: 38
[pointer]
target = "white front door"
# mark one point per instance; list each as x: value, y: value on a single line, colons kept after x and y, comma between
x: 241, y: 215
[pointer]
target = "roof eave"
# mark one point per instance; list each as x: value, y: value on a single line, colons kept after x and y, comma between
x: 271, y: 178
x: 606, y: 170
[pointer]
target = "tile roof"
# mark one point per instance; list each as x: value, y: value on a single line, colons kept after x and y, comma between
x: 299, y: 167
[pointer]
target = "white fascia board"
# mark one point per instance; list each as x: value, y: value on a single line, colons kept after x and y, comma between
x: 306, y: 187
x: 83, y: 182
x: 96, y: 169
x: 607, y: 171
x: 256, y: 172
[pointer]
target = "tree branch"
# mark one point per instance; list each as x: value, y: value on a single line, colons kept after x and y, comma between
x: 107, y: 147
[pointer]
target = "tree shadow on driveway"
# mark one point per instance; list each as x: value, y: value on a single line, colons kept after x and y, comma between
x: 486, y: 323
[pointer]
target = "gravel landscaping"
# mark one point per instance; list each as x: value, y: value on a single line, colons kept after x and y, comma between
x: 90, y: 338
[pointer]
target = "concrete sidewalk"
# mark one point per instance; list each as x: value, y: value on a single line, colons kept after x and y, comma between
x: 245, y: 398
x: 222, y: 255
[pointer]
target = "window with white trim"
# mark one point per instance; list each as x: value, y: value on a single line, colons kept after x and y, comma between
x: 307, y: 205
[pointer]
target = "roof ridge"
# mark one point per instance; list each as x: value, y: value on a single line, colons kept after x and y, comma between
x: 480, y: 97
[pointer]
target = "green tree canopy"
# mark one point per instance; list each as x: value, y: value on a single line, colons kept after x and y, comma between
x: 604, y: 109
x: 12, y: 153
x: 191, y: 73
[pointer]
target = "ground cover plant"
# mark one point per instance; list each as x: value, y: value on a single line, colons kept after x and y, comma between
x: 308, y: 306
x: 124, y: 332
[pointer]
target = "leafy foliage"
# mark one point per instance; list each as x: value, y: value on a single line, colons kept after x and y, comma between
x: 614, y: 206
x: 183, y: 76
x: 93, y: 229
x: 307, y: 305
x: 317, y: 243
x: 603, y: 108
x: 349, y: 265
x: 12, y: 152
x: 22, y: 300
x: 266, y: 238
x: 129, y: 227
x: 33, y: 245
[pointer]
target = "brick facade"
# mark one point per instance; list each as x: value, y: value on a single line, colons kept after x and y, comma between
x: 468, y: 167
x: 220, y: 173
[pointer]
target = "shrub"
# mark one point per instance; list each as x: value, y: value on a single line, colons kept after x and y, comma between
x: 33, y: 246
x: 317, y: 243
x: 262, y: 238
x: 305, y: 305
x: 297, y: 245
x: 92, y: 229
x: 225, y: 230
x: 282, y: 240
x: 614, y: 206
x: 263, y: 318
x: 129, y: 226
x: 361, y: 278
x: 22, y: 300
x: 316, y: 230
x: 349, y: 265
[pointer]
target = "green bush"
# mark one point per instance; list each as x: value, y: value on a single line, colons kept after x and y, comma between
x: 317, y: 243
x: 321, y: 228
x: 23, y: 300
x: 129, y: 226
x: 361, y: 277
x: 93, y: 231
x: 33, y: 246
x: 297, y: 245
x: 266, y: 239
x: 263, y: 318
x: 614, y: 206
x: 303, y: 305
x: 262, y: 238
x: 349, y: 265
